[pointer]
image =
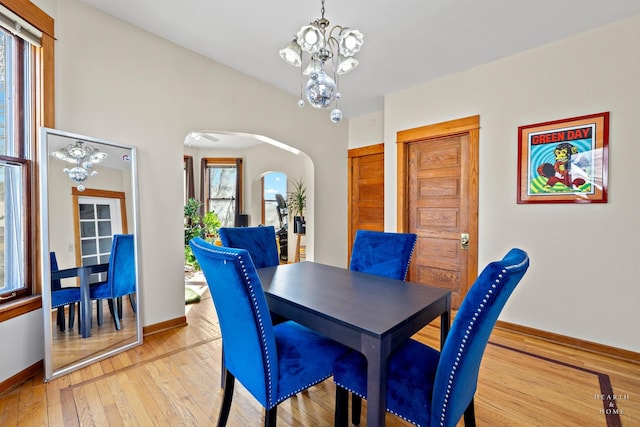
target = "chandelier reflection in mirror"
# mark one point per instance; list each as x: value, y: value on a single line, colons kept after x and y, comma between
x: 83, y: 157
x: 328, y: 55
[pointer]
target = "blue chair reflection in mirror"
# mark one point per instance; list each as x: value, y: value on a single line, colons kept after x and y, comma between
x: 272, y: 362
x: 382, y: 253
x: 260, y: 242
x: 62, y: 296
x: 431, y: 388
x: 121, y: 278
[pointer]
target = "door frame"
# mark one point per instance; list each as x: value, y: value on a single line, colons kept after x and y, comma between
x: 469, y: 126
x: 105, y: 194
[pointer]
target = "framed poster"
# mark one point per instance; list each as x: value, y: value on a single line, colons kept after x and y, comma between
x: 564, y: 161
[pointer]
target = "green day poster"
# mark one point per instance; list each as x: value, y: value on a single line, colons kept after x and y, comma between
x: 564, y: 161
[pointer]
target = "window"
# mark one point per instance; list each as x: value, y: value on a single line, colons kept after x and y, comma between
x: 222, y: 188
x: 26, y: 101
x: 274, y: 194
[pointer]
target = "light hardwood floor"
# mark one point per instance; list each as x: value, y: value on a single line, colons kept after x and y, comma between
x: 174, y: 379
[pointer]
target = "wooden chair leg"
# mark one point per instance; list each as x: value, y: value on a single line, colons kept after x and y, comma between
x: 341, y: 417
x: 226, y: 399
x: 470, y: 415
x: 271, y: 417
x: 356, y: 409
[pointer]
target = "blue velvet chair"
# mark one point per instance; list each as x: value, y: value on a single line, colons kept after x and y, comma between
x: 431, y: 388
x: 121, y: 278
x: 61, y: 297
x: 382, y: 253
x: 260, y: 242
x: 271, y: 362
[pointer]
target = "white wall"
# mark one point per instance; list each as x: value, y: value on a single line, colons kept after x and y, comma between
x: 582, y: 281
x: 117, y: 82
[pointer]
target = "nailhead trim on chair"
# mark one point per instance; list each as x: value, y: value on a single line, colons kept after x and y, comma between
x: 406, y: 270
x: 254, y: 301
x: 462, y: 345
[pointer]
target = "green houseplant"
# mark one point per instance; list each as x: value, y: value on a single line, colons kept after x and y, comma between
x: 195, y: 225
x: 297, y: 204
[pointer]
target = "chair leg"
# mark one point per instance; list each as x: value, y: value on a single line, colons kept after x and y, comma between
x: 119, y: 299
x: 60, y: 318
x: 356, y: 409
x: 113, y: 308
x: 270, y: 417
x: 223, y: 369
x: 132, y: 301
x: 341, y: 417
x: 470, y: 415
x: 226, y: 399
x: 72, y: 314
x: 99, y: 311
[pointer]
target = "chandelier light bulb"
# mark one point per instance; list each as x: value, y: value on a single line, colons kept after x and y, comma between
x: 336, y: 115
x: 80, y: 187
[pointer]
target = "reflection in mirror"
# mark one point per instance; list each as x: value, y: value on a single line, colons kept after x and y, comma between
x: 89, y: 246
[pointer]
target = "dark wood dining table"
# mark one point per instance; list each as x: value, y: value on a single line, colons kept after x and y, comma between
x: 368, y: 313
x: 84, y: 273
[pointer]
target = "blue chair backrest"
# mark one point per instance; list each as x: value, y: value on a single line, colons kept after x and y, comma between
x: 243, y: 314
x: 259, y: 241
x: 383, y: 254
x: 121, y: 275
x: 457, y: 373
x: 56, y: 284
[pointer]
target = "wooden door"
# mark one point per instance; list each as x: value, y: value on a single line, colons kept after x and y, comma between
x: 366, y: 190
x: 440, y: 174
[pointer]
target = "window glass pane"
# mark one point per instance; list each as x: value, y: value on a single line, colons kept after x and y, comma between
x: 104, y: 228
x: 90, y: 260
x: 104, y: 259
x: 274, y: 183
x: 12, y: 228
x: 226, y: 210
x: 88, y: 247
x: 222, y: 182
x: 103, y: 211
x: 6, y: 107
x: 87, y: 212
x: 87, y: 229
x: 105, y: 245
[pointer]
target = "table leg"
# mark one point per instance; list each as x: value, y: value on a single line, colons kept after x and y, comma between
x: 85, y: 304
x: 376, y: 353
x: 445, y: 321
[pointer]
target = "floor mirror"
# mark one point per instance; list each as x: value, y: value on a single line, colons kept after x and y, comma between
x: 90, y: 275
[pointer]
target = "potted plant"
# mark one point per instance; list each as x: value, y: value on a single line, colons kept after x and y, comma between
x: 195, y: 225
x: 296, y: 205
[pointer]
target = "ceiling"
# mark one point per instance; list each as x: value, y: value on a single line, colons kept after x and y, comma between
x: 406, y: 42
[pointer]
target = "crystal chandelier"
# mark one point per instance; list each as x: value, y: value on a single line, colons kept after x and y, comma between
x: 328, y: 55
x: 83, y: 157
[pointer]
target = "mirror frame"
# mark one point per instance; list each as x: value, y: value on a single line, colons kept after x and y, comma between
x: 133, y: 228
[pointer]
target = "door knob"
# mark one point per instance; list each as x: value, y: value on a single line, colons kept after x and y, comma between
x: 464, y: 240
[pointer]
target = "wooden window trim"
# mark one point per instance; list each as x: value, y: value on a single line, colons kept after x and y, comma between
x: 44, y: 116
